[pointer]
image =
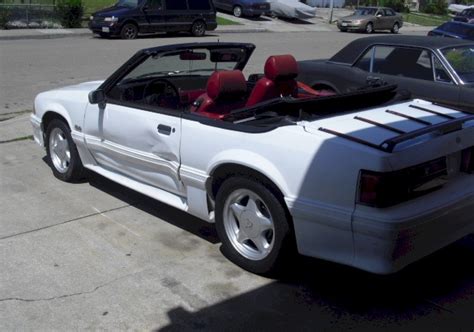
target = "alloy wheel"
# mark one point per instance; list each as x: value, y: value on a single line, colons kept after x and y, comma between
x: 249, y: 224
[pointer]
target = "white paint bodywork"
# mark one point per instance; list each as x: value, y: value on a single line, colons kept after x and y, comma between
x: 316, y: 172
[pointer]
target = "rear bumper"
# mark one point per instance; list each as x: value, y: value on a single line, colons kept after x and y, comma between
x: 384, y: 241
x: 390, y: 240
x: 255, y: 12
x: 210, y: 26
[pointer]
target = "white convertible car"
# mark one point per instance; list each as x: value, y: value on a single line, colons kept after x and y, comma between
x: 369, y: 179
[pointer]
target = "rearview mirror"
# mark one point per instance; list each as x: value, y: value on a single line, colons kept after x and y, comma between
x: 97, y: 97
x: 190, y: 55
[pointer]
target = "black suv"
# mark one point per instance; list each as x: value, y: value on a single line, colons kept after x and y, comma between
x: 128, y: 18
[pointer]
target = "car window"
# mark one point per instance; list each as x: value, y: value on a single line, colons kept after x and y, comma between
x: 199, y: 5
x: 404, y: 62
x: 389, y: 12
x: 380, y: 12
x: 155, y: 4
x: 461, y: 60
x: 364, y: 62
x: 176, y: 5
x: 365, y: 11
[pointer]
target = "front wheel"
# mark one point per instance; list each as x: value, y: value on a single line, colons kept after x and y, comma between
x: 129, y: 31
x: 198, y: 29
x: 395, y: 28
x: 253, y: 225
x: 62, y: 155
x: 369, y: 28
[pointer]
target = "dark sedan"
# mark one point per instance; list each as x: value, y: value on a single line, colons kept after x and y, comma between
x: 436, y: 69
x: 454, y: 29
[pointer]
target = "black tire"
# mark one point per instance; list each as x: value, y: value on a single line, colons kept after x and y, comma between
x: 395, y: 28
x: 129, y: 31
x: 198, y: 29
x: 237, y: 11
x: 74, y: 170
x: 281, y: 245
x: 343, y: 30
x: 104, y: 35
x: 369, y: 28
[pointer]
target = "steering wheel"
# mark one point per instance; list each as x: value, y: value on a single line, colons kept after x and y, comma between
x: 168, y: 95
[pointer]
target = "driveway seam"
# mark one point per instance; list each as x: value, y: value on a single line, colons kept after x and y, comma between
x: 63, y: 223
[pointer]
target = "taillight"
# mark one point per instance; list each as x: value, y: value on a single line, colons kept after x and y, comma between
x: 390, y: 188
x: 467, y: 160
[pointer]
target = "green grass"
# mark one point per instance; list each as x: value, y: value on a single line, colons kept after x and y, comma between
x: 91, y: 6
x: 224, y: 21
x: 425, y: 19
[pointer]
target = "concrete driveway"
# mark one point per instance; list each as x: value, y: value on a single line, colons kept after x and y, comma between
x: 96, y: 255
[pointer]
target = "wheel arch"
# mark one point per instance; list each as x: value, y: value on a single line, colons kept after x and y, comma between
x: 223, y: 171
x: 130, y: 21
x: 49, y: 116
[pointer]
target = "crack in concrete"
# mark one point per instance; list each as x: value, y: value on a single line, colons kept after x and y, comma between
x: 63, y: 223
x: 19, y: 299
x: 18, y: 139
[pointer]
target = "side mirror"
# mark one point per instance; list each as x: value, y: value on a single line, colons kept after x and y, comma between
x: 97, y: 97
x: 379, y: 15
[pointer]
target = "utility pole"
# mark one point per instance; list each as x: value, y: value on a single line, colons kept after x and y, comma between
x: 331, y: 9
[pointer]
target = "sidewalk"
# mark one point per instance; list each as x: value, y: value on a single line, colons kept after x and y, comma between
x: 16, y: 34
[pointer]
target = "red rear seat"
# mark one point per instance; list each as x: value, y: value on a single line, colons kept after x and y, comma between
x: 279, y: 81
x: 225, y: 92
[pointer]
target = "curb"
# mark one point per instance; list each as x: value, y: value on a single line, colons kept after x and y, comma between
x: 88, y: 33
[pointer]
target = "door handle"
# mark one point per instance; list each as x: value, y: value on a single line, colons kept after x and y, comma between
x: 163, y: 129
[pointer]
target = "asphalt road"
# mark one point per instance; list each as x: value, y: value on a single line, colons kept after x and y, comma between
x: 96, y: 255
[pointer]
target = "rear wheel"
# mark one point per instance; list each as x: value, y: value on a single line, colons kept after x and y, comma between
x: 369, y: 28
x: 198, y: 29
x: 395, y: 28
x: 129, y: 31
x: 62, y: 155
x: 237, y: 11
x: 253, y: 225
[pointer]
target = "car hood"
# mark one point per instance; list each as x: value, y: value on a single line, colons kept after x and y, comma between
x: 112, y: 11
x: 356, y: 17
x: 81, y: 87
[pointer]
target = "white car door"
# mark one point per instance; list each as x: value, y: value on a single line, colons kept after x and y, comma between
x: 137, y: 143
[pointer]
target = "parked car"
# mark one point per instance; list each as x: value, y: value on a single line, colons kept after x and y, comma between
x: 454, y: 30
x: 466, y: 16
x: 252, y: 8
x: 436, y: 69
x: 128, y: 18
x: 370, y: 19
x: 292, y: 9
x: 457, y: 8
x: 368, y: 179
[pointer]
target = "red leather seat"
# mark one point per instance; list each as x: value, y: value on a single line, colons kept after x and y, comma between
x: 225, y: 92
x: 280, y: 72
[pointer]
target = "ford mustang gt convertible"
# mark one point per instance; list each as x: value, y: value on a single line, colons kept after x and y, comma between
x: 370, y: 178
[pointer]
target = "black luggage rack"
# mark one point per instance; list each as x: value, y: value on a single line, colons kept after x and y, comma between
x: 451, y: 124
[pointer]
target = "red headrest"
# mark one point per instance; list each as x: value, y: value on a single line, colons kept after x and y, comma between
x: 226, y: 84
x: 280, y: 67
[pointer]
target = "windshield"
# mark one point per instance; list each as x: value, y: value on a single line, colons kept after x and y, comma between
x: 127, y: 3
x: 202, y: 62
x: 462, y: 61
x: 365, y: 11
